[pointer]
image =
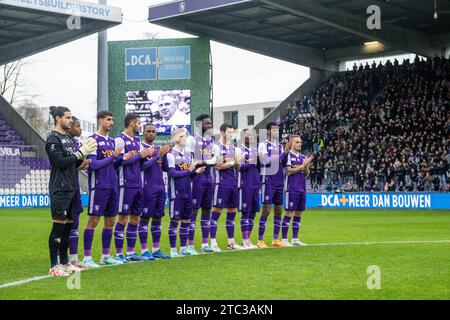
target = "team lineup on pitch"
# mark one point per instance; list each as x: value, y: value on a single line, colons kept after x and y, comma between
x: 126, y: 179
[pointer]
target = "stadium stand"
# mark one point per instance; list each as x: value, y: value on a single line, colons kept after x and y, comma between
x: 378, y: 128
x: 22, y: 172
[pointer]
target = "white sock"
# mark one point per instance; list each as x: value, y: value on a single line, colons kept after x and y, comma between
x: 213, y: 242
x: 87, y: 257
x: 144, y: 251
x: 182, y: 248
x: 204, y: 245
x: 130, y: 253
x: 230, y: 240
x: 73, y: 257
x: 105, y: 256
x: 154, y: 250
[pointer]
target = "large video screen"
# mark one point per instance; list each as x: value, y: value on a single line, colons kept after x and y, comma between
x: 166, y: 109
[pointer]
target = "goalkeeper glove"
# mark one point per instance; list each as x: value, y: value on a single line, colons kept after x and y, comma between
x: 86, y: 149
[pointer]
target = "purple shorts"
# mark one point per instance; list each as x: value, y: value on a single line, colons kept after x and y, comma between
x: 130, y: 201
x: 154, y: 203
x: 103, y: 202
x: 295, y: 201
x: 202, y: 196
x: 180, y: 209
x: 272, y: 194
x: 249, y: 200
x: 226, y: 197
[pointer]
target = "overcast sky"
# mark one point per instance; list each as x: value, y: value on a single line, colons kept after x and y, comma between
x: 67, y: 75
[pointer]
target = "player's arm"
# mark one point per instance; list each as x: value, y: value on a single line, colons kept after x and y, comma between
x: 222, y: 166
x: 172, y: 172
x: 56, y: 155
x: 262, y: 152
x: 98, y: 164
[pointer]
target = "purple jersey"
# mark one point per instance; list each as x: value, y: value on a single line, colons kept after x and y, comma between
x: 227, y: 177
x: 248, y: 175
x: 129, y: 170
x: 268, y: 176
x: 204, y: 150
x: 296, y: 182
x: 102, y: 171
x: 152, y: 173
x: 180, y: 178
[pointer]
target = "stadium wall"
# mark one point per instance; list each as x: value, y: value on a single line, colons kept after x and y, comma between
x: 198, y: 82
x: 411, y: 201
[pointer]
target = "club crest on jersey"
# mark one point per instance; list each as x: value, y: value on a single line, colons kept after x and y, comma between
x: 101, y: 143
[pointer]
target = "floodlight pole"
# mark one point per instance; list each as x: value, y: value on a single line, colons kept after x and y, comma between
x: 102, y: 69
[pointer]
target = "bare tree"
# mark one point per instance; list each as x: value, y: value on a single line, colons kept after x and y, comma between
x: 10, y: 76
x: 34, y: 115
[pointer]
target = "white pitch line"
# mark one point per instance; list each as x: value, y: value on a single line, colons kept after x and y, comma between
x: 17, y: 283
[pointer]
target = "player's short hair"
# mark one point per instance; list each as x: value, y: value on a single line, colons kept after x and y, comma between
x: 177, y: 131
x: 293, y: 136
x: 129, y: 118
x: 103, y: 114
x: 58, y: 111
x: 270, y: 125
x: 148, y: 125
x: 202, y: 117
x: 225, y: 126
x: 75, y: 119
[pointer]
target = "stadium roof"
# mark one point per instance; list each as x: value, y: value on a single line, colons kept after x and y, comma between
x: 319, y: 33
x: 31, y: 26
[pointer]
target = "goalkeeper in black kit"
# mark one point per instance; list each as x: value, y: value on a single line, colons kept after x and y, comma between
x: 64, y: 161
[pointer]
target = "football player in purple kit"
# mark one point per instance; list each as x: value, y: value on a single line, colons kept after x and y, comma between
x: 130, y: 188
x: 249, y: 183
x: 201, y: 145
x: 103, y: 190
x: 75, y: 132
x: 272, y: 159
x: 181, y: 171
x: 297, y: 169
x: 154, y: 194
x: 225, y: 186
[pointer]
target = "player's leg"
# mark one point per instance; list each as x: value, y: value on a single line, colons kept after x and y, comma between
x: 73, y: 241
x: 244, y: 229
x: 88, y: 239
x: 186, y: 215
x: 132, y: 227
x: 147, y: 209
x: 205, y: 220
x: 267, y: 196
x: 290, y: 205
x: 232, y: 206
x: 157, y: 215
x: 173, y: 226
x: 244, y: 207
x: 54, y: 241
x: 253, y: 208
x: 218, y: 206
x: 277, y: 215
x: 119, y: 229
x: 71, y: 211
x: 297, y: 220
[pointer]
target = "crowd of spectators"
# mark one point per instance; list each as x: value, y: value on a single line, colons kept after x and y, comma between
x: 378, y: 128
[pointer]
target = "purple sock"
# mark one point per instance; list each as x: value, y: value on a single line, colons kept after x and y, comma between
x: 245, y: 225
x: 88, y: 237
x: 173, y: 234
x: 296, y: 227
x: 131, y: 237
x: 143, y: 234
x: 205, y: 223
x: 156, y: 233
x: 106, y: 241
x: 251, y: 223
x: 230, y: 224
x: 184, y: 232
x: 276, y: 226
x: 119, y: 236
x: 73, y: 239
x: 214, y: 221
x: 262, y: 227
x: 192, y: 226
x: 285, y: 227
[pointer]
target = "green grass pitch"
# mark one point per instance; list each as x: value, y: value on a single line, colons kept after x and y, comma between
x: 410, y: 251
